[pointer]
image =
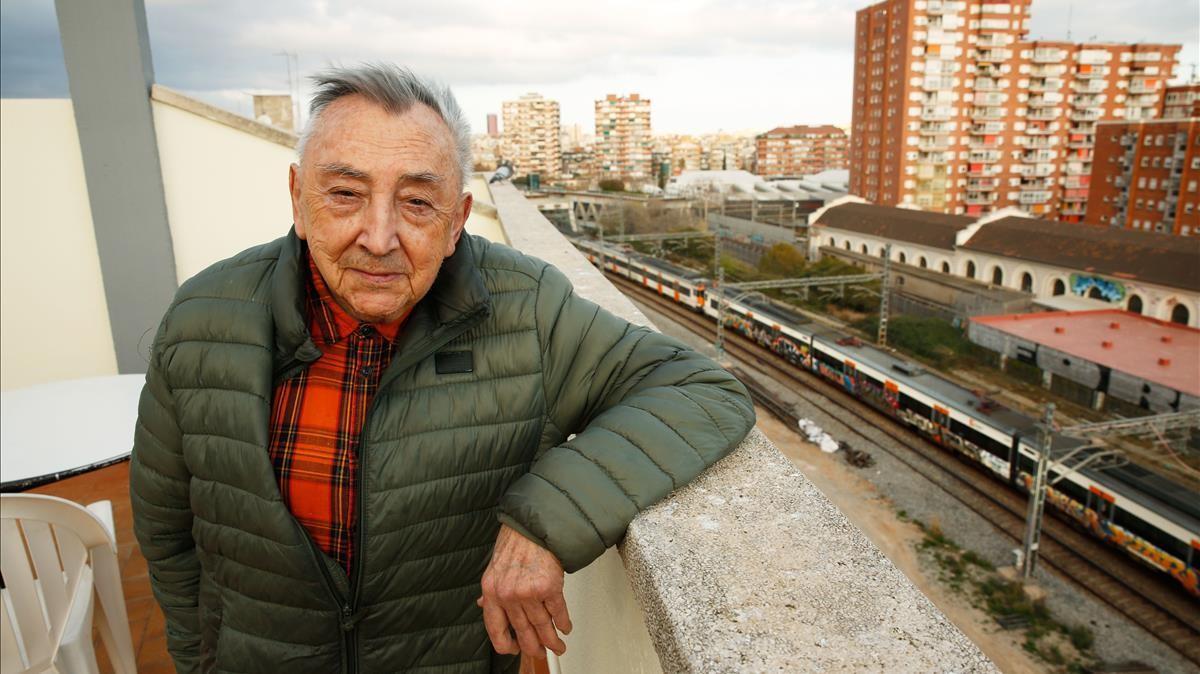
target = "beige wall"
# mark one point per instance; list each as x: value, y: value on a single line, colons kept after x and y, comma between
x: 54, y: 321
x: 226, y: 189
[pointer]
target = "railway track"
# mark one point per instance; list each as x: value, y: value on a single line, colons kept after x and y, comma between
x: 1142, y: 596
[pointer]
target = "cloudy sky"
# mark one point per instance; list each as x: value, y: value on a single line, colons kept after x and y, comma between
x: 731, y: 65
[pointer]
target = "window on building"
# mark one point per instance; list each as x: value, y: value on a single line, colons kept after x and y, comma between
x: 1095, y: 293
x: 882, y: 251
x: 903, y: 258
x: 1027, y: 282
x: 970, y: 269
x: 1141, y: 182
x: 1180, y: 314
x: 1191, y: 185
x: 847, y: 245
x: 1135, y: 304
x: 832, y: 242
x: 923, y: 263
x: 945, y: 267
x: 1060, y: 288
x: 997, y: 276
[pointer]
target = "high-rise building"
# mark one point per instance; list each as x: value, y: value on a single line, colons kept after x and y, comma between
x: 956, y: 111
x: 623, y: 142
x: 1182, y: 101
x: 530, y: 139
x: 1146, y: 175
x: 493, y: 125
x: 794, y: 151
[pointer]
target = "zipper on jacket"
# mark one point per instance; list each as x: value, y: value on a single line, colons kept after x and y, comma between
x: 349, y: 611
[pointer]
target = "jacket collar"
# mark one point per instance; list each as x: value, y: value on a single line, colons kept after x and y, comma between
x: 457, y: 294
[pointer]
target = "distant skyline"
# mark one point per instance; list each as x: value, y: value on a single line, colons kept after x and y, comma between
x: 706, y: 66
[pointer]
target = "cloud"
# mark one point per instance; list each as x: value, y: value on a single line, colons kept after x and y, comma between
x: 706, y: 63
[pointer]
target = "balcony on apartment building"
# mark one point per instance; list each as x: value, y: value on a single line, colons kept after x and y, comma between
x: 993, y: 55
x: 1044, y: 114
x: 983, y: 184
x: 1041, y: 129
x: 1035, y: 184
x: 990, y: 99
x: 1045, y: 84
x: 1140, y: 86
x: 1040, y: 142
x: 1043, y: 70
x: 986, y: 113
x: 980, y: 198
x: 1088, y: 100
x: 1046, y: 100
x: 1078, y: 182
x: 933, y: 144
x: 694, y: 577
x: 1030, y: 197
x: 988, y: 40
x: 983, y: 84
x: 935, y: 129
x: 1089, y: 86
x: 1092, y: 72
x: 1048, y: 55
x: 983, y: 156
x: 1038, y: 156
x: 1088, y: 115
x: 986, y: 128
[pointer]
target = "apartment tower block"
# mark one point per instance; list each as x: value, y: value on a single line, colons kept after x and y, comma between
x: 956, y: 111
x: 624, y: 146
x: 794, y: 151
x: 1147, y: 176
x: 530, y: 137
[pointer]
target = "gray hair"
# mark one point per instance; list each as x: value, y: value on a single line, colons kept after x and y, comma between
x: 396, y: 89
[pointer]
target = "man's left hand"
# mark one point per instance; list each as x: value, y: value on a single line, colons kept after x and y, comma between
x: 523, y: 589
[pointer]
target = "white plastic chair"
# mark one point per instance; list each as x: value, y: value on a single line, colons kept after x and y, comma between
x: 57, y: 558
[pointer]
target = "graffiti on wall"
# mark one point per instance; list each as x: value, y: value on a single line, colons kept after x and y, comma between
x: 1113, y: 291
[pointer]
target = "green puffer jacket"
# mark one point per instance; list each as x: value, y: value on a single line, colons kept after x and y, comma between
x: 447, y: 456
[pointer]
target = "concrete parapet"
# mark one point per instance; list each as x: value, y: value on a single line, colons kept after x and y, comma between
x: 748, y: 569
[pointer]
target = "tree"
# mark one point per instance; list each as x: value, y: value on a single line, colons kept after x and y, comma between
x: 612, y: 185
x: 784, y: 260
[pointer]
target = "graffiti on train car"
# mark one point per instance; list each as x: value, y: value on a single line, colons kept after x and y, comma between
x: 1119, y: 536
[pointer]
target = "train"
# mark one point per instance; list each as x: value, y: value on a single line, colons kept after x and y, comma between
x: 1152, y: 519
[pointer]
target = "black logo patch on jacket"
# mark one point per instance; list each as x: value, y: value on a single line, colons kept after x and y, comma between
x: 454, y: 362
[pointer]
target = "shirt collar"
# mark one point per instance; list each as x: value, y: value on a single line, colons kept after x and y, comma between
x: 329, y: 320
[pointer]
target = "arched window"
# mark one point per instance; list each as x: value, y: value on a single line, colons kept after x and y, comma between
x: 1095, y: 293
x: 847, y: 245
x: 970, y: 269
x: 1135, y: 304
x: 864, y: 249
x: 903, y: 258
x: 997, y: 276
x: 945, y: 267
x: 882, y: 251
x: 1027, y: 282
x: 1060, y: 288
x: 923, y: 263
x: 1180, y: 314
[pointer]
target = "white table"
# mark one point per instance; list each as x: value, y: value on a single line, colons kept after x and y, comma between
x: 51, y: 431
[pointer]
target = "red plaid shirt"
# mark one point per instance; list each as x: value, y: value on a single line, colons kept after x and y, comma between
x: 317, y: 417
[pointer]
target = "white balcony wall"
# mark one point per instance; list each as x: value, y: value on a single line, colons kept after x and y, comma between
x: 226, y: 187
x: 55, y: 318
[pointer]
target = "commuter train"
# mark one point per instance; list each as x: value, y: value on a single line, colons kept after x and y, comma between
x: 1152, y: 519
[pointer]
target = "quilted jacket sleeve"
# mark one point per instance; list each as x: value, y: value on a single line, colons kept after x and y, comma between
x: 162, y: 516
x: 648, y: 413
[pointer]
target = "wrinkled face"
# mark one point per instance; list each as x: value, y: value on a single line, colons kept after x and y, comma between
x: 379, y: 200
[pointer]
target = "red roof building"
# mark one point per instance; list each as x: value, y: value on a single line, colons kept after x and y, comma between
x: 1144, y: 361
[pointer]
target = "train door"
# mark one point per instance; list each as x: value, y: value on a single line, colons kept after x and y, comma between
x: 1102, y: 503
x: 1014, y: 453
x: 940, y: 416
x: 849, y: 372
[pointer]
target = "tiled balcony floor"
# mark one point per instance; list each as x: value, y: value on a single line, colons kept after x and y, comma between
x: 146, y: 623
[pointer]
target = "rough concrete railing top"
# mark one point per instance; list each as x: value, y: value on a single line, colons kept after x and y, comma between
x: 749, y: 568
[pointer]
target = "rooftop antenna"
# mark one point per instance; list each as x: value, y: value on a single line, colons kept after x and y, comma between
x: 1070, y: 13
x: 293, y: 79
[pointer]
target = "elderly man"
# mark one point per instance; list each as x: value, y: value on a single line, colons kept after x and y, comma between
x: 375, y: 444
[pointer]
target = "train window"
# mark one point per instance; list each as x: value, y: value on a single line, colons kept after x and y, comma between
x: 980, y: 440
x: 919, y: 408
x: 1149, y: 533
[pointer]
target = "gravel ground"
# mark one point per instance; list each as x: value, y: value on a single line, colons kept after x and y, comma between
x: 1117, y: 640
